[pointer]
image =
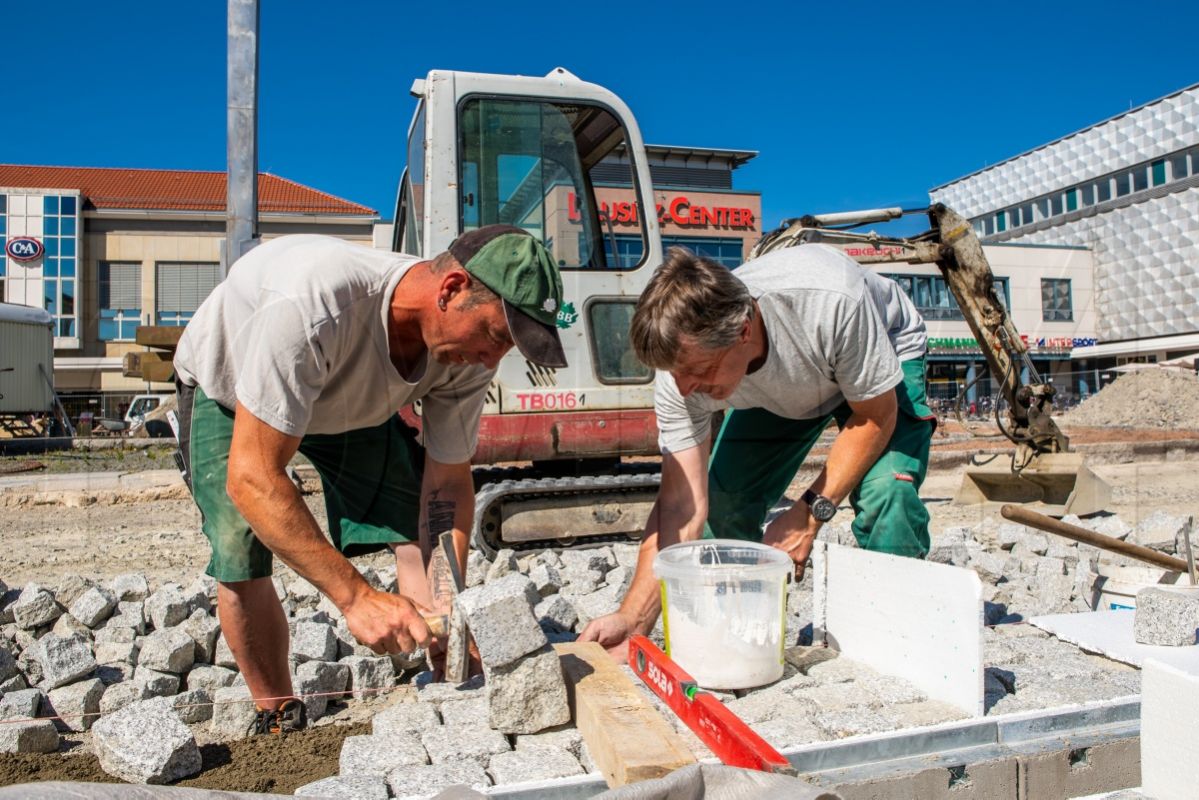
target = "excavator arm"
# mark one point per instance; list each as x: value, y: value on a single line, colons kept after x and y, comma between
x: 1042, y: 469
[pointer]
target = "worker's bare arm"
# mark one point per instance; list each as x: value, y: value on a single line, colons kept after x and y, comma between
x: 258, y: 485
x: 854, y: 451
x: 678, y: 515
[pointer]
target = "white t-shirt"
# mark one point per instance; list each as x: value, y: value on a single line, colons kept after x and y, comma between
x: 836, y: 331
x: 298, y: 335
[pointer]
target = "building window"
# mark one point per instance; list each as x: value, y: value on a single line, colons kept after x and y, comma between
x: 1123, y: 184
x: 1103, y: 190
x: 1071, y: 200
x: 726, y: 252
x: 1056, y: 305
x: 629, y: 249
x: 1158, y: 168
x: 120, y: 287
x: 932, y: 298
x: 1178, y: 166
x: 611, y: 347
x: 180, y: 287
x: 1001, y: 222
x: 1140, y: 179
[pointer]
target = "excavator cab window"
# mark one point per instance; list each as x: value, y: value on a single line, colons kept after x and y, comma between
x: 532, y: 164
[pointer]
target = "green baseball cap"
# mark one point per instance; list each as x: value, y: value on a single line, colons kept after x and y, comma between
x: 512, y: 263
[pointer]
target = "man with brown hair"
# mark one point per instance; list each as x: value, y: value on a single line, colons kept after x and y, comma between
x: 312, y: 344
x: 790, y: 342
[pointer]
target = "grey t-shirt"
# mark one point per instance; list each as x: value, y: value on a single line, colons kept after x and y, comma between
x: 837, y: 332
x: 298, y: 334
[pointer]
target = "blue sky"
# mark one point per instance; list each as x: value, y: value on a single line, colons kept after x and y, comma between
x: 851, y: 105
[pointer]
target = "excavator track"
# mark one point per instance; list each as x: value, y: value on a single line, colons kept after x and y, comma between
x: 511, y: 511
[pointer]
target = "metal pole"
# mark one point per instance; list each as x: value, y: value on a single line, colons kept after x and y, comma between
x: 241, y: 224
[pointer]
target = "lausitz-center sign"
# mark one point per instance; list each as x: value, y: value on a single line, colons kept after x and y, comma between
x: 678, y: 210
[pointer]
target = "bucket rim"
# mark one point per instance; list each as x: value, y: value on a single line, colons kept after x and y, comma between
x: 666, y: 566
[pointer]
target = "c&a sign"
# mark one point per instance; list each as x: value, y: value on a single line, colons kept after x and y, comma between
x: 24, y: 248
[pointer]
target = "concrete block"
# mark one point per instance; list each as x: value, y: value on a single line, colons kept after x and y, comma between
x: 313, y: 641
x: 204, y: 630
x: 557, y: 612
x: 63, y: 660
x: 93, y: 606
x: 130, y: 586
x: 159, y: 684
x: 542, y: 764
x: 146, y: 742
x: 545, y: 579
x: 119, y: 695
x: 35, y: 607
x: 193, y: 705
x: 418, y: 783
x: 21, y: 703
x: 528, y: 695
x: 167, y: 607
x: 368, y: 675
x: 405, y: 718
x: 232, y: 712
x: 449, y: 746
x: 500, y: 617
x: 1167, y: 616
x: 347, y: 786
x: 379, y: 755
x: 38, y: 736
x: 1085, y: 768
x: 503, y: 564
x: 78, y: 704
x: 168, y: 650
x: 210, y: 678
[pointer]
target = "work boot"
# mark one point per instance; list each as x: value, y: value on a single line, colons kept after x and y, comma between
x: 290, y: 717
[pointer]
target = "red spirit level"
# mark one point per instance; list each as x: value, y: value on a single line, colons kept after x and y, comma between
x: 730, y: 739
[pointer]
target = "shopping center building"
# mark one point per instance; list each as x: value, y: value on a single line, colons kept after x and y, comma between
x: 1127, y: 189
x: 106, y: 250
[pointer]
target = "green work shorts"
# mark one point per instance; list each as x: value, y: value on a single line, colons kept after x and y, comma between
x: 757, y: 455
x: 371, y: 480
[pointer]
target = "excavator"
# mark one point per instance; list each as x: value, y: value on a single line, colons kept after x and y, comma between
x: 579, y: 443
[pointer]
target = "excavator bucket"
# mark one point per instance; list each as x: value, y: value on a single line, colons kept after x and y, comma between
x: 1055, y: 484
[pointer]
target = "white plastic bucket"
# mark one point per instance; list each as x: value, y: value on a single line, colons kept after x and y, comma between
x: 1114, y: 588
x: 724, y: 610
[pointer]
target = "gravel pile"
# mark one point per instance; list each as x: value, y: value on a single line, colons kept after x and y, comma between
x: 1148, y: 398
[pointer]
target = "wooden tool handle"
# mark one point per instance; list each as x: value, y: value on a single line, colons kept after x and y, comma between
x: 438, y: 624
x: 1034, y: 520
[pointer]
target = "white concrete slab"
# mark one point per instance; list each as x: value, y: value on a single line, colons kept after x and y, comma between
x: 913, y: 619
x: 1110, y: 633
x: 1169, y: 733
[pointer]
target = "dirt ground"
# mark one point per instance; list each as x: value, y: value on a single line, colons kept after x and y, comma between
x: 45, y: 540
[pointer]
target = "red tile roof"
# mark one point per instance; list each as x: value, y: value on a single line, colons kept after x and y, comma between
x: 174, y: 189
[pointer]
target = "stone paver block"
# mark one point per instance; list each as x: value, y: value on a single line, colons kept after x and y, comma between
x: 78, y: 704
x: 1167, y: 617
x: 349, y: 786
x: 557, y: 612
x: 224, y: 656
x: 170, y: 650
x: 35, y: 607
x: 330, y: 676
x: 69, y: 588
x: 595, y: 559
x: 130, y: 586
x: 197, y: 595
x: 159, y: 684
x: 37, y: 736
x: 449, y: 746
x: 93, y: 606
x: 120, y: 695
x: 210, y: 678
x: 115, y: 673
x: 232, y: 712
x: 503, y: 564
x: 130, y: 614
x: 533, y: 764
x: 21, y: 703
x: 369, y: 675
x: 565, y: 738
x: 315, y: 701
x: 303, y: 593
x: 146, y: 742
x: 839, y: 670
x: 167, y: 607
x: 470, y: 713
x: 204, y: 630
x: 313, y: 641
x: 117, y: 652
x: 416, y: 783
x: 545, y: 579
x: 401, y: 718
x: 527, y: 696
x: 8, y: 664
x: 63, y: 660
x: 16, y: 683
x: 596, y: 604
x: 438, y: 693
x: 500, y: 617
x: 66, y: 625
x: 788, y: 732
x: 193, y: 705
x: 379, y: 755
x: 854, y: 722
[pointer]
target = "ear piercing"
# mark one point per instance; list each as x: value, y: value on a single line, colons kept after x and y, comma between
x: 441, y: 303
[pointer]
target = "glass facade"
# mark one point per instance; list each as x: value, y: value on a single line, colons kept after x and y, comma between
x: 50, y: 281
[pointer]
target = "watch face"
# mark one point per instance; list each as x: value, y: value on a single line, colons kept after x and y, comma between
x: 823, y: 509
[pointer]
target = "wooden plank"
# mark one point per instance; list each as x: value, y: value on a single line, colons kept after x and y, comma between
x: 628, y: 739
x: 165, y: 337
x: 160, y: 372
x: 132, y: 364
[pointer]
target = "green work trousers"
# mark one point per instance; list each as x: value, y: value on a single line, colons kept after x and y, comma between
x: 757, y: 455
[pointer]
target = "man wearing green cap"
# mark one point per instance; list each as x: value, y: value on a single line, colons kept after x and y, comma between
x: 312, y: 344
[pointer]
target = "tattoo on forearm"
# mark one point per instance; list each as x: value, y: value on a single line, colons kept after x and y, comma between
x: 439, y: 516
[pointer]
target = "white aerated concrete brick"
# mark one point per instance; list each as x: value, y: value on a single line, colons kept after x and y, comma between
x: 379, y: 755
x: 449, y: 746
x: 1169, y: 736
x: 410, y: 718
x: 38, y: 736
x: 347, y: 786
x: 527, y: 696
x: 146, y: 742
x: 500, y: 617
x: 171, y: 650
x: 368, y: 674
x: 532, y: 764
x: 63, y: 660
x: 1167, y: 616
x: 35, y: 607
x: 417, y: 783
x: 93, y: 606
x: 78, y: 704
